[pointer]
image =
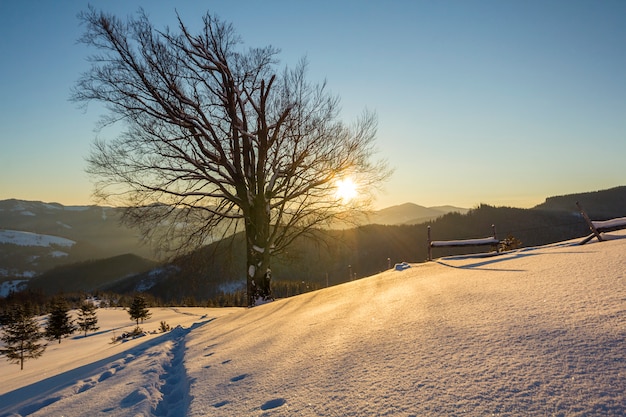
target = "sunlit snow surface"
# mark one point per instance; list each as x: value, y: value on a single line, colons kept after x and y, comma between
x: 535, y: 332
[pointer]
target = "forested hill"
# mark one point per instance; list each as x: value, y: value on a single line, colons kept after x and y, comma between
x: 36, y: 237
x: 600, y: 205
x: 342, y: 255
x: 89, y: 275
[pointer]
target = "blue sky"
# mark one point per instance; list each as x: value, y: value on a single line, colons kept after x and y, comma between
x: 498, y: 102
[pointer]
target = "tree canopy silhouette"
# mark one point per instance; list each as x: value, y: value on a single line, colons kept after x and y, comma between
x: 217, y: 136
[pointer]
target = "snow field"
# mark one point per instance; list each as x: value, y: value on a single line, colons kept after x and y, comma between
x: 533, y: 332
x: 15, y: 237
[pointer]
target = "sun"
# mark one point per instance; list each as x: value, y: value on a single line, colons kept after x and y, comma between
x: 347, y: 190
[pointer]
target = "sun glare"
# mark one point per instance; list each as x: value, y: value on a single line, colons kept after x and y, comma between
x: 346, y: 190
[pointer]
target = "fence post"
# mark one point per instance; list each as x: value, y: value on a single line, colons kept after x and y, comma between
x: 495, y: 236
x: 430, y: 249
x: 590, y: 224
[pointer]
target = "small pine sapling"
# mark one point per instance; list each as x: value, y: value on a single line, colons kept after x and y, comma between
x: 59, y: 324
x: 87, y: 318
x: 20, y: 337
x: 138, y: 310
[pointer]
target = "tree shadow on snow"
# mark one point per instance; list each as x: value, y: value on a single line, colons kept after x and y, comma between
x: 101, y: 332
x: 493, y: 259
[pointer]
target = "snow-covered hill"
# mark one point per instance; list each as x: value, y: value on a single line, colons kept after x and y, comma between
x: 534, y: 332
x: 36, y: 237
x: 15, y: 237
x: 6, y: 287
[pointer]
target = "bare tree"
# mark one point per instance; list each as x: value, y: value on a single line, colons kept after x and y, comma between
x: 216, y: 137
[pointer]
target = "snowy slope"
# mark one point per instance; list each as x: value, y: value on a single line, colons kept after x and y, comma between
x: 86, y: 376
x: 13, y: 285
x: 536, y: 332
x: 14, y: 237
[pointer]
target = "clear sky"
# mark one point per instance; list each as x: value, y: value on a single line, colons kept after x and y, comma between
x: 498, y: 102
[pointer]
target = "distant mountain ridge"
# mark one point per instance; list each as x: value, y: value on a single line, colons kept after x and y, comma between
x: 37, y: 236
x: 94, y: 228
x: 410, y: 213
x: 39, y: 239
x: 390, y: 235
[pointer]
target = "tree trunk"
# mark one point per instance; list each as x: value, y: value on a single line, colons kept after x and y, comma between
x: 258, y: 255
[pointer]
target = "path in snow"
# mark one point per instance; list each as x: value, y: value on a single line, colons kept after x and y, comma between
x: 148, y: 378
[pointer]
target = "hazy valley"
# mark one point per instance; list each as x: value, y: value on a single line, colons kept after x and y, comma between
x: 52, y: 248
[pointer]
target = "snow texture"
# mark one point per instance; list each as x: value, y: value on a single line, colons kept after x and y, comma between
x: 465, y: 242
x: 7, y: 287
x: 608, y: 224
x: 401, y: 266
x: 15, y: 237
x: 532, y: 332
x: 231, y: 287
x: 76, y: 208
x: 66, y: 226
x: 15, y: 273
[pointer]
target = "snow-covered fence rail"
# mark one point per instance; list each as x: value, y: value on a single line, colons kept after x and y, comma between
x: 603, y: 226
x: 486, y: 241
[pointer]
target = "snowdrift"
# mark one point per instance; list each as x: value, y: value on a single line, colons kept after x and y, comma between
x: 534, y: 332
